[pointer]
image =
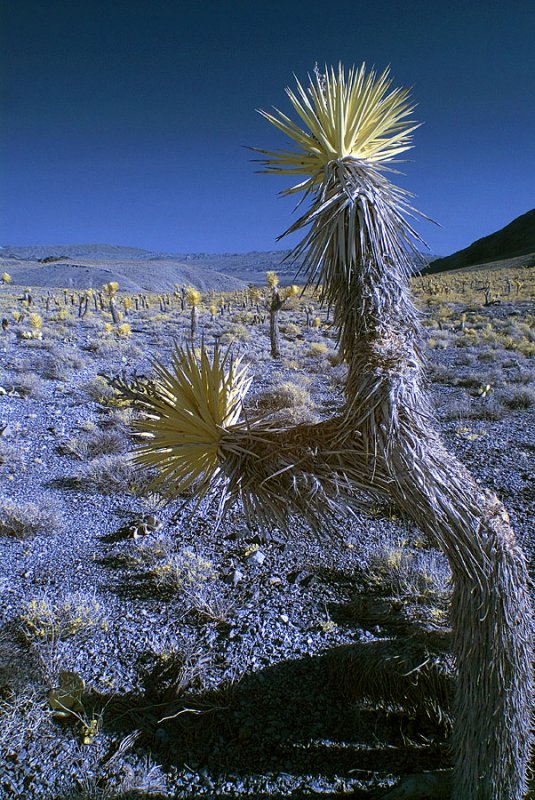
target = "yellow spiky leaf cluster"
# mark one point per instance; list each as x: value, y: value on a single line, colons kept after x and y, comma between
x: 193, y: 296
x: 351, y: 115
x: 272, y: 279
x: 197, y: 398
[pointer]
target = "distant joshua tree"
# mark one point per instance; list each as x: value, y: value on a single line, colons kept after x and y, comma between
x: 359, y: 246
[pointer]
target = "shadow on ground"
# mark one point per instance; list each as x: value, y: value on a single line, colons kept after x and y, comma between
x: 289, y: 719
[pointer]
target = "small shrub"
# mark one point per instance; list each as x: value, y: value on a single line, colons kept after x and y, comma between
x: 289, y: 400
x: 235, y: 333
x: 100, y: 391
x: 404, y: 571
x: 22, y: 520
x: 518, y: 399
x: 44, y: 619
x: 318, y: 349
x: 36, y: 321
x: 124, y: 329
x: 10, y: 456
x: 59, y: 363
x: 96, y: 443
x: 28, y: 384
x: 194, y: 578
x: 108, y: 474
x: 290, y: 329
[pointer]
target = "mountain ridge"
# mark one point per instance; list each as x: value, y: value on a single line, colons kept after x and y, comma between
x: 517, y: 238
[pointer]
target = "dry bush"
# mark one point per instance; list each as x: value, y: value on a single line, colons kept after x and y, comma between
x: 24, y: 519
x: 404, y: 571
x: 24, y: 717
x: 195, y: 579
x: 10, y: 456
x: 289, y: 401
x: 46, y: 620
x: 28, y: 384
x: 518, y: 398
x: 109, y: 474
x: 99, y: 390
x: 95, y: 443
x: 60, y: 363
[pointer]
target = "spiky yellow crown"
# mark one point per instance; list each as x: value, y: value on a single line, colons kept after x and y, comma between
x: 197, y: 398
x: 351, y: 115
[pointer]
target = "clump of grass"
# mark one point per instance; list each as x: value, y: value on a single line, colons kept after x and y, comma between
x: 519, y: 398
x: 404, y: 571
x: 24, y: 519
x: 28, y: 384
x: 10, y: 456
x: 143, y: 780
x: 99, y: 390
x: 95, y: 443
x: 109, y: 474
x: 290, y: 329
x: 194, y: 578
x: 318, y: 349
x: 24, y: 716
x: 288, y: 400
x: 47, y: 620
x: 235, y: 333
x: 59, y: 363
x: 124, y: 329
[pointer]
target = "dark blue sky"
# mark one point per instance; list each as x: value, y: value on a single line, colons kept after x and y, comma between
x: 125, y: 121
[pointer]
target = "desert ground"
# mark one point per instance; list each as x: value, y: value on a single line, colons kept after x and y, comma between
x: 146, y: 651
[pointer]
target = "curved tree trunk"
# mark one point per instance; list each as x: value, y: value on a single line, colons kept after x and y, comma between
x: 490, y: 608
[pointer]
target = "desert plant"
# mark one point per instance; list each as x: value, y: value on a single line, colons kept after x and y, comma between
x: 24, y: 519
x: 108, y: 474
x: 194, y: 578
x: 43, y: 619
x: 111, y: 289
x: 360, y: 247
x: 288, y: 400
x: 275, y: 303
x: 193, y: 297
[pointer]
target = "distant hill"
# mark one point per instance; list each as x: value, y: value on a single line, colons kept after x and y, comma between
x: 72, y: 252
x: 83, y: 265
x: 516, y: 239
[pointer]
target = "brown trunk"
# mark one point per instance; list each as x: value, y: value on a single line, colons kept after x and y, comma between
x: 274, y: 332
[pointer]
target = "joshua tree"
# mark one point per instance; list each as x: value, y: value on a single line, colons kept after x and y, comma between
x: 359, y: 245
x: 111, y: 290
x: 274, y: 305
x: 193, y: 296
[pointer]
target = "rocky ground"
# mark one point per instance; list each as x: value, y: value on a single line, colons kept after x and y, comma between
x: 145, y: 653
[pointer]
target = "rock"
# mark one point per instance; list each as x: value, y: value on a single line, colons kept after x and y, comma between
x: 257, y: 558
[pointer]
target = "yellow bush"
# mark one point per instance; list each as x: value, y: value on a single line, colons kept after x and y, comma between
x: 36, y: 321
x: 318, y: 349
x: 124, y: 329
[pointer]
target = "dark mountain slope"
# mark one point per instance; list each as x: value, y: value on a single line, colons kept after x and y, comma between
x: 516, y: 239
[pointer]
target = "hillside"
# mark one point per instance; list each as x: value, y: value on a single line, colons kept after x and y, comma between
x: 133, y: 273
x: 515, y: 239
x: 80, y: 266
